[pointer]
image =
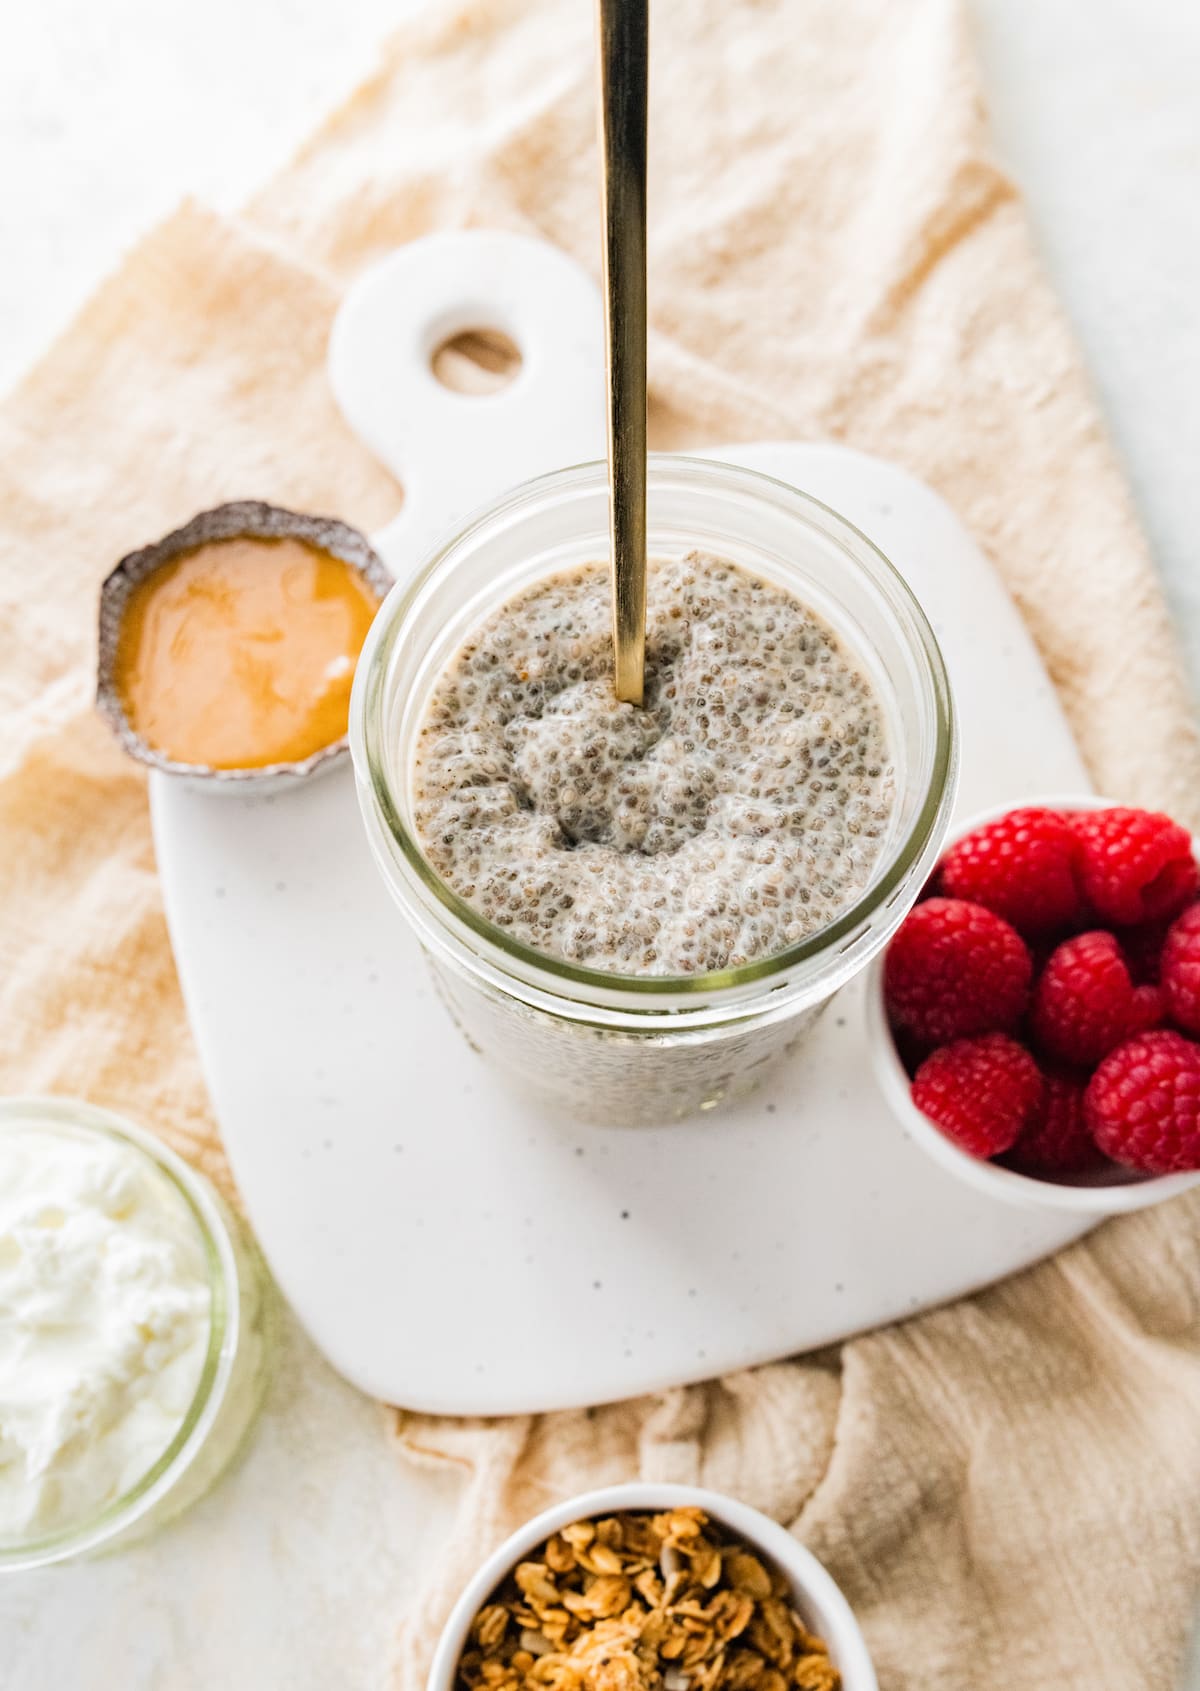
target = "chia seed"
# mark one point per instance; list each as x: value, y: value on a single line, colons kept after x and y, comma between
x: 685, y: 836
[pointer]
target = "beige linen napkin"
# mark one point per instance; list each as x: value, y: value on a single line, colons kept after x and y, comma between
x: 1009, y: 1489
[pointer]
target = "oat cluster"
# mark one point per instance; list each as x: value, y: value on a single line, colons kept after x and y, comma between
x: 741, y: 809
x: 640, y: 1602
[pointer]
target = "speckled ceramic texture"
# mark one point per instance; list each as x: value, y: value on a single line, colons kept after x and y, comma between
x: 241, y: 519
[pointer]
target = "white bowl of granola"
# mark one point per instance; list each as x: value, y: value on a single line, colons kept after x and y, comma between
x: 652, y: 1588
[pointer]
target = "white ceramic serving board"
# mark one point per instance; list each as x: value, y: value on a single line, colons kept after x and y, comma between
x: 449, y: 1246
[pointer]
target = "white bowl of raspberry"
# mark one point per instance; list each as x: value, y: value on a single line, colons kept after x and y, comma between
x: 1035, y: 1022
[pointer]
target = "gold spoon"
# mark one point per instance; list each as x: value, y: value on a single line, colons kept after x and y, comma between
x: 624, y: 55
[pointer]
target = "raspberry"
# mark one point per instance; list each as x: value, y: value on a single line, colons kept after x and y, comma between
x: 1149, y: 1008
x: 1143, y: 949
x: 1142, y: 1105
x: 1023, y: 866
x: 1179, y: 971
x: 954, y: 969
x: 1084, y: 1002
x: 982, y: 1093
x: 1136, y: 864
x: 1057, y: 1141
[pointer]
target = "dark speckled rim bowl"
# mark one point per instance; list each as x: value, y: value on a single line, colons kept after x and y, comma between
x: 242, y: 518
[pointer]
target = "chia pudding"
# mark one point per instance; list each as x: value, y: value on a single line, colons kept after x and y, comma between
x: 740, y: 810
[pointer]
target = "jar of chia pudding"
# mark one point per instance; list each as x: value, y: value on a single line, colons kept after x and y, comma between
x: 634, y: 911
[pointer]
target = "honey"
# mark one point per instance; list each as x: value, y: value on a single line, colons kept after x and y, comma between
x: 240, y: 653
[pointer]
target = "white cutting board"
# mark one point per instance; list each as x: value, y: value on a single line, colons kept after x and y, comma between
x: 448, y: 1246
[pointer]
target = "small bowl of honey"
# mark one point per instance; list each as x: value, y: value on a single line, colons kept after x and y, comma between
x: 228, y: 647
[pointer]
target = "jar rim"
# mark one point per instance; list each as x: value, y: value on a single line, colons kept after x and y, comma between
x: 513, y: 956
x: 44, y: 1110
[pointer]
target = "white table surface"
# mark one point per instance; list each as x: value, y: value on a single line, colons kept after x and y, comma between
x: 294, y: 1572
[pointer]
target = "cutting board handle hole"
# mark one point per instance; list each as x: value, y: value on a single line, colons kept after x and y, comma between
x: 476, y: 361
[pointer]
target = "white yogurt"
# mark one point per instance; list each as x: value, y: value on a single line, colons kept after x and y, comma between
x: 105, y: 1309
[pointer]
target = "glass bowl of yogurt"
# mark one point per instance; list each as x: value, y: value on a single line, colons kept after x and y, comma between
x: 135, y: 1344
x: 634, y: 911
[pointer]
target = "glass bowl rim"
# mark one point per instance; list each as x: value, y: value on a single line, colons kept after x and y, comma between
x: 365, y: 725
x: 60, y: 1110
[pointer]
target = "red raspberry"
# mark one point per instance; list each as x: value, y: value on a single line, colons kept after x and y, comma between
x: 1023, y: 866
x: 1143, y: 949
x: 1057, y: 1141
x: 1137, y: 864
x: 1179, y: 970
x: 982, y: 1093
x: 1084, y: 1002
x: 1142, y: 1104
x: 955, y: 969
x: 1149, y: 1008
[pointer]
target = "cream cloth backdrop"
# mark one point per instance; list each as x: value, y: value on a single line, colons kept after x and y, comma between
x: 1009, y: 1489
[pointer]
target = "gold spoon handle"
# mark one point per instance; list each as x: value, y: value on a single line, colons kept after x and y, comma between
x: 624, y: 55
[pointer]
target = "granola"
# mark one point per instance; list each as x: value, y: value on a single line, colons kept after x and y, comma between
x: 641, y: 1602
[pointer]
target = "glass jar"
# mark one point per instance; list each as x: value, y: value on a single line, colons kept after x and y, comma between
x: 647, y: 1048
x: 235, y: 1369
